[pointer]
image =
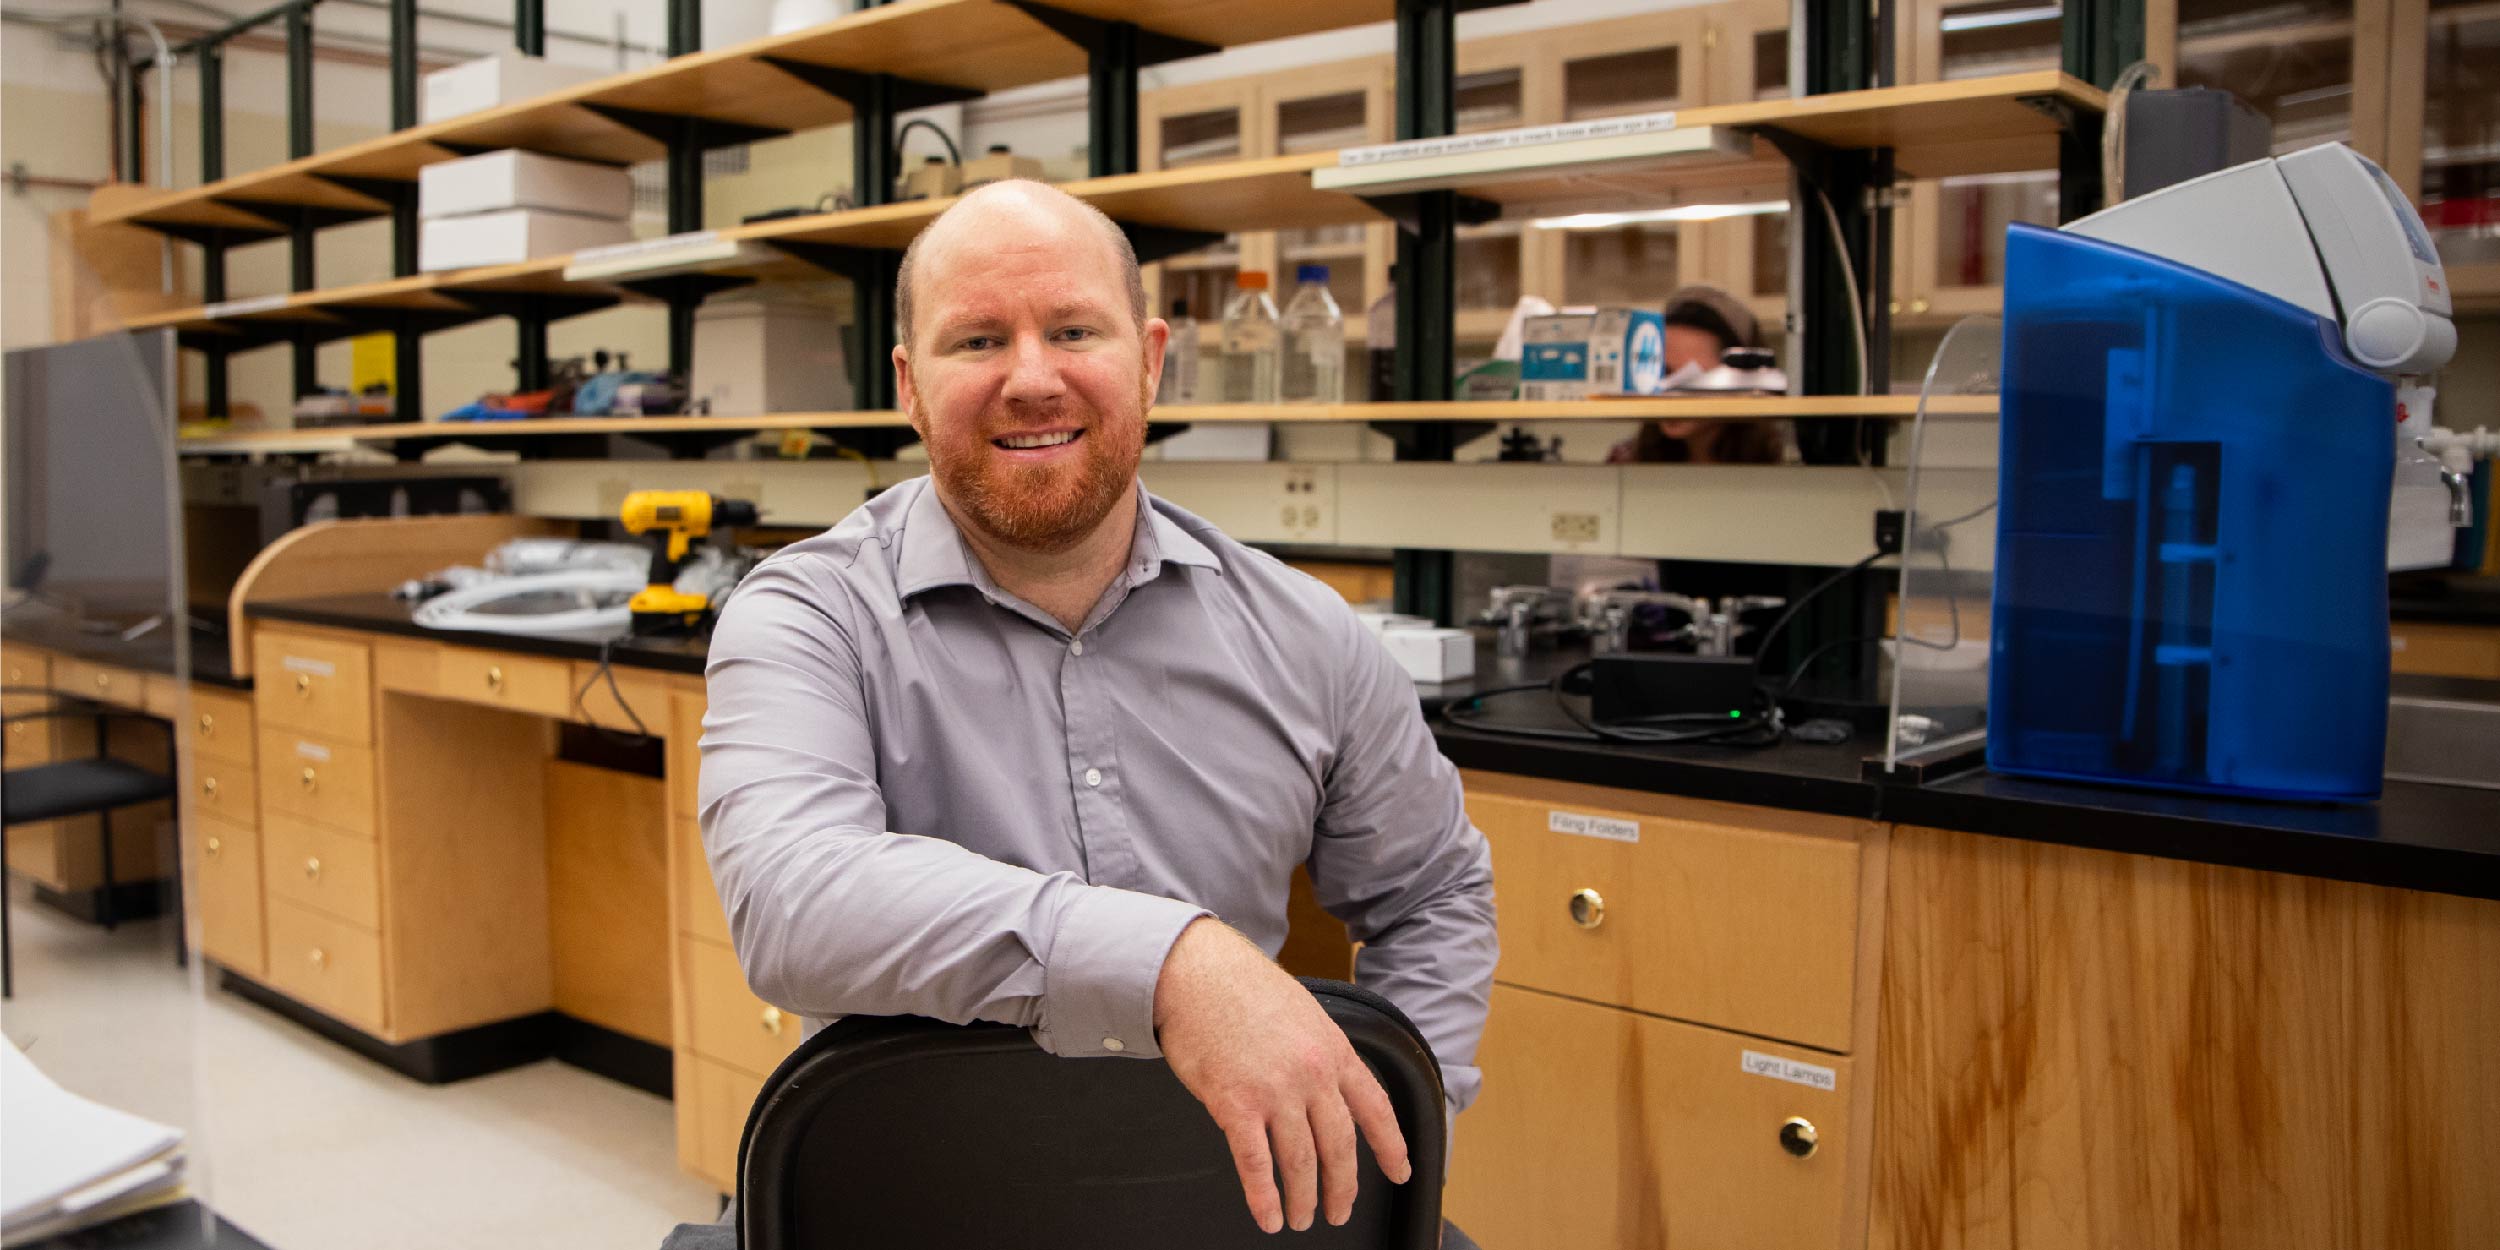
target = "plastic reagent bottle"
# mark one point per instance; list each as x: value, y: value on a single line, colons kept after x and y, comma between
x: 1253, y: 339
x: 1314, y: 359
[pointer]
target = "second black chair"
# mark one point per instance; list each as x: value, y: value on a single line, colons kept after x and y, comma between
x: 899, y: 1132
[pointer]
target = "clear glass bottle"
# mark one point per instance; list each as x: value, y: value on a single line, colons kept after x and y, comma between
x: 1314, y: 358
x: 1180, y: 358
x: 1253, y: 341
x: 1380, y: 341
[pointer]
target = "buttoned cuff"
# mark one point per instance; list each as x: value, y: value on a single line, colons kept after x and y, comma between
x: 1098, y: 994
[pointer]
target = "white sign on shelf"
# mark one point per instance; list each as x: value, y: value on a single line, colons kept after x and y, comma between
x: 1497, y: 140
x: 1587, y: 826
x: 645, y: 247
x: 245, y: 307
x: 1793, y: 1071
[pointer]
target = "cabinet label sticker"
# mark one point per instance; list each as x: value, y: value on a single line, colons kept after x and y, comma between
x: 1790, y: 1070
x: 1593, y: 826
x: 313, y: 751
x: 318, y: 668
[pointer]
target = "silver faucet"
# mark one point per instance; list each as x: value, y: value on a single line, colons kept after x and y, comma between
x: 2460, y: 487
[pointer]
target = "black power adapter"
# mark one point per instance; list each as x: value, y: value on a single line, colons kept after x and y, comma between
x: 1648, y: 687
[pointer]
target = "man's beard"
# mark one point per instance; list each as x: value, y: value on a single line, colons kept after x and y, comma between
x: 1039, y: 507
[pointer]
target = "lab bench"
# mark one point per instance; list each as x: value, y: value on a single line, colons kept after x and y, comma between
x: 1746, y: 997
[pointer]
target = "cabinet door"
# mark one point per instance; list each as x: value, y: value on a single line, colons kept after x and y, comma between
x: 2444, y: 134
x: 1322, y: 109
x: 1643, y: 64
x: 2316, y: 69
x: 1747, y: 42
x: 1600, y: 1127
x: 1200, y: 124
x: 1955, y: 232
x: 226, y: 893
x: 1495, y: 85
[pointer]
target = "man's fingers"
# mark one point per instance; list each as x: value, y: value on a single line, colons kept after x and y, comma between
x: 1297, y: 1164
x: 1378, y: 1120
x: 1333, y: 1130
x: 1258, y: 1172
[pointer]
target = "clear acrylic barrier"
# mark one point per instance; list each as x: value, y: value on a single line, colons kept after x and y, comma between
x: 96, y: 636
x: 1939, y: 647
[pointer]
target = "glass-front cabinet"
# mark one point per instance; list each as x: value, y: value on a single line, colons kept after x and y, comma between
x: 1322, y: 109
x: 2444, y: 134
x: 1949, y: 238
x: 1201, y: 124
x: 1747, y: 43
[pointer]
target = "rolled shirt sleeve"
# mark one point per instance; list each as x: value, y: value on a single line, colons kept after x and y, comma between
x: 1398, y: 861
x: 833, y: 914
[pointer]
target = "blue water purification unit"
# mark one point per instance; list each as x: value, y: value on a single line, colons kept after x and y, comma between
x: 2191, y: 563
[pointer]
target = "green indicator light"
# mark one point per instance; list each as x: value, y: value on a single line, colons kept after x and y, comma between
x: 1735, y: 715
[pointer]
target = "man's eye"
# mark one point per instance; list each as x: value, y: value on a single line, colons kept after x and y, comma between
x: 978, y: 343
x: 1074, y: 334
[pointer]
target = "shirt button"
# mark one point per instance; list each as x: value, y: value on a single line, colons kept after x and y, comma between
x: 1114, y: 1044
x: 1077, y: 647
x: 1093, y: 776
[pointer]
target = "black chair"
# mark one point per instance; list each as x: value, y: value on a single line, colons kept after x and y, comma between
x: 95, y: 786
x: 896, y: 1132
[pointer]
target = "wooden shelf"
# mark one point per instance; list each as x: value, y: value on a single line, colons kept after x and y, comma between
x: 2475, y: 288
x: 335, y: 438
x: 976, y: 45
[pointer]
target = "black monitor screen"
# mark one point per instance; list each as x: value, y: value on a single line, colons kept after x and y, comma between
x: 89, y: 471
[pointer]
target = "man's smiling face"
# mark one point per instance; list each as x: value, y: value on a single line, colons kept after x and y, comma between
x: 1028, y: 373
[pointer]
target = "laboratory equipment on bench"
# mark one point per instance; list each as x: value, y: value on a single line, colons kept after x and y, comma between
x: 1711, y: 629
x: 675, y: 519
x: 534, y: 587
x: 2195, y: 477
x: 1519, y: 613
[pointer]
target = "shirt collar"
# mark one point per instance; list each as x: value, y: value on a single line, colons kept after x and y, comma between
x: 933, y: 553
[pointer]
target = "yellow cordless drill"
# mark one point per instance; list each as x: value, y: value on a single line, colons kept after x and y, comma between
x: 674, y: 519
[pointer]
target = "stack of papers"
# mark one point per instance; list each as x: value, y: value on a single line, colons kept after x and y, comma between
x: 67, y: 1163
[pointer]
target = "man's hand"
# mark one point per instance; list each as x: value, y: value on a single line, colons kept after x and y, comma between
x: 1275, y: 1072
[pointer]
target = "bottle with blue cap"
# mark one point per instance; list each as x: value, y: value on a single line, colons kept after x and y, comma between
x: 1314, y: 363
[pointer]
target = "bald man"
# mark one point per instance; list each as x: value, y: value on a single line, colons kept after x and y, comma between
x: 1020, y: 742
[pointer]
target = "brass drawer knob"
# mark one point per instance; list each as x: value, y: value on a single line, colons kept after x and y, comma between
x: 1797, y: 1136
x: 208, y: 723
x: 772, y: 1021
x: 303, y: 685
x: 1920, y: 305
x: 1588, y: 908
x: 215, y: 845
x: 1893, y: 307
x: 208, y: 786
x: 103, y: 681
x: 312, y: 868
x: 319, y: 957
x: 494, y: 676
x: 310, y: 779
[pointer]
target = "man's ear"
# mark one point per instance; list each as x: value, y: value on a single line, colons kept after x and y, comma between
x: 904, y: 393
x: 1158, y: 338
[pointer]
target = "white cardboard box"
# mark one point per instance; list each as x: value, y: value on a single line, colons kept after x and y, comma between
x: 511, y: 236
x: 759, y: 356
x: 492, y: 81
x: 1378, y: 623
x: 491, y: 181
x: 1433, y: 654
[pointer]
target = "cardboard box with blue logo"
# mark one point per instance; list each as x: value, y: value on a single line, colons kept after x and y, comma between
x: 1609, y: 352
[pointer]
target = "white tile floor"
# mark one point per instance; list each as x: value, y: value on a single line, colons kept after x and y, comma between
x: 309, y: 1146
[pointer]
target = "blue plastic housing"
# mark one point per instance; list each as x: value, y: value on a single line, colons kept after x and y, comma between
x: 2191, y: 564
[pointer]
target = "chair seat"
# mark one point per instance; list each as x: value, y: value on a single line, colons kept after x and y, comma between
x: 77, y: 787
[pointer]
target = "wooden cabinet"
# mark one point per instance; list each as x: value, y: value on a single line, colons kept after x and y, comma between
x: 1201, y: 124
x: 1605, y: 1127
x: 326, y: 781
x: 317, y: 685
x: 2443, y: 650
x: 329, y: 872
x: 225, y: 899
x: 327, y: 963
x: 1680, y: 981
x: 2086, y: 1049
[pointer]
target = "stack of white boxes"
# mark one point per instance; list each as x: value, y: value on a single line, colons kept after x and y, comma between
x: 501, y: 208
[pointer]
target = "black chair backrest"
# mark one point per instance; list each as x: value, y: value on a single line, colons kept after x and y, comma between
x: 900, y: 1132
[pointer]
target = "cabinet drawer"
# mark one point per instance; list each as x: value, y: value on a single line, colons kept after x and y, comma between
x: 541, y: 687
x: 685, y: 751
x: 103, y: 683
x: 326, y: 963
x: 702, y: 915
x: 2441, y: 649
x: 224, y: 789
x: 721, y: 1096
x: 728, y: 1022
x: 227, y: 894
x: 315, y: 685
x: 27, y: 742
x: 1600, y: 1127
x: 22, y: 667
x: 1740, y: 918
x: 220, y: 727
x: 332, y: 873
x: 324, y: 781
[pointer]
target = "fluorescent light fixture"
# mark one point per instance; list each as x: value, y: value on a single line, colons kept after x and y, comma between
x: 2002, y: 17
x: 1688, y: 212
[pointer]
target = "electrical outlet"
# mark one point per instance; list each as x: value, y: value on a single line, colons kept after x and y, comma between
x: 1575, y: 527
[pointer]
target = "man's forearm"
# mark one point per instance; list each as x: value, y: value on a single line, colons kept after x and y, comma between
x: 1437, y: 966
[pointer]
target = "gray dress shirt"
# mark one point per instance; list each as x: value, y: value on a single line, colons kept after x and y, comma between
x: 922, y: 795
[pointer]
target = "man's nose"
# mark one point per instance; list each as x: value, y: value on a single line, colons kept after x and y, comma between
x: 1032, y: 371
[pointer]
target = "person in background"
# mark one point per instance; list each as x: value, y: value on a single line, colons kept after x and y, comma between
x: 1702, y: 323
